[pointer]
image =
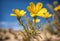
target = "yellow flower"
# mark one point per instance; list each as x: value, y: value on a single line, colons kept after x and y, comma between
x: 57, y: 8
x: 36, y: 10
x: 39, y: 13
x: 46, y: 15
x: 18, y: 13
x: 36, y: 20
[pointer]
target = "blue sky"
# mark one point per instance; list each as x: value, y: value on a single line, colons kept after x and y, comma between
x: 6, y: 6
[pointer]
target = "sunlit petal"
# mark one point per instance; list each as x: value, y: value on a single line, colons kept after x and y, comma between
x: 32, y: 14
x: 59, y: 6
x: 37, y: 20
x: 29, y: 9
x: 40, y: 14
x: 32, y: 5
x: 22, y: 13
x: 15, y: 10
x: 43, y: 10
x: 12, y: 14
x: 55, y: 9
x: 39, y: 6
x: 50, y: 15
x: 47, y: 15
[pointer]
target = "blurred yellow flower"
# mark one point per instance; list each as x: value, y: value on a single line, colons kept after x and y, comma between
x: 46, y: 15
x: 55, y: 2
x: 36, y: 20
x: 57, y: 8
x: 18, y: 13
x: 36, y: 10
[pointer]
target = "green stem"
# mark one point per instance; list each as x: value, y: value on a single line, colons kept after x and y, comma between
x: 20, y: 22
x: 28, y: 35
x: 35, y: 25
x: 22, y: 25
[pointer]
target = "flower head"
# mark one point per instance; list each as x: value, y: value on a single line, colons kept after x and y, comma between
x: 18, y: 13
x: 36, y: 20
x: 57, y: 8
x: 46, y: 15
x: 36, y: 10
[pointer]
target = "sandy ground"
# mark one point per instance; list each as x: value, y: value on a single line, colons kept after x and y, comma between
x: 6, y: 35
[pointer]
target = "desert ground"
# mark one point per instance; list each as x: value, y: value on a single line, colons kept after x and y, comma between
x: 12, y: 35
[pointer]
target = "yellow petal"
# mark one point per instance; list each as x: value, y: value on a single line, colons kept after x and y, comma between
x: 29, y: 9
x: 43, y: 10
x: 59, y: 7
x: 22, y: 13
x: 39, y: 6
x: 32, y: 5
x: 40, y: 14
x: 47, y: 15
x: 15, y: 11
x: 12, y: 14
x: 32, y: 14
x: 50, y: 15
x: 37, y: 20
x: 55, y: 9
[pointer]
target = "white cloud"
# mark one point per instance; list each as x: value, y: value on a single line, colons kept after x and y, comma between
x: 13, y: 25
x: 17, y: 27
x: 3, y: 23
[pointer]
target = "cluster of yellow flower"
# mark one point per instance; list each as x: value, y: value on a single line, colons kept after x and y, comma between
x: 35, y: 10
